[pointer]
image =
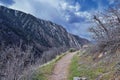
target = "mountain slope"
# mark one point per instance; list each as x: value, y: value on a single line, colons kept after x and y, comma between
x: 17, y: 27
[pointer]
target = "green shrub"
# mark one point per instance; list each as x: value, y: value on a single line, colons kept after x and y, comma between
x: 72, y: 50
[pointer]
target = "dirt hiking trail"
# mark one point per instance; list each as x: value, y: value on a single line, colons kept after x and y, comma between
x: 60, y: 71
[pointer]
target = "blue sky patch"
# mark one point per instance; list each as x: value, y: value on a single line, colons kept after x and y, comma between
x: 7, y: 2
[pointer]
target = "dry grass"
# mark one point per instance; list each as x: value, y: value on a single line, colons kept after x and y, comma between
x: 45, y: 71
x: 83, y: 65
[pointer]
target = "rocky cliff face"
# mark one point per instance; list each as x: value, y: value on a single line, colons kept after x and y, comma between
x: 17, y: 26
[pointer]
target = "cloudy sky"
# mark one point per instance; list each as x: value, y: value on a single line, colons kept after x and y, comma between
x: 74, y: 15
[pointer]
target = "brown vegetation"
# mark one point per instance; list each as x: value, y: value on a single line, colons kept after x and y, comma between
x: 14, y: 62
x: 107, y: 29
x: 19, y: 63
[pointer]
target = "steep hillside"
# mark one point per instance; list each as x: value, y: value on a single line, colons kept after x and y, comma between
x: 17, y: 27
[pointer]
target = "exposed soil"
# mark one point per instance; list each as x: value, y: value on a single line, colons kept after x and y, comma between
x: 60, y: 71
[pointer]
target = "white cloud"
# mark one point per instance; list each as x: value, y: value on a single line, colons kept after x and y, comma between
x: 66, y: 6
x: 84, y: 14
x: 27, y: 3
x: 53, y: 3
x: 1, y: 4
x: 50, y: 9
x: 77, y: 6
x: 23, y: 5
x: 81, y: 29
x: 63, y: 5
x: 67, y: 17
x: 72, y: 11
x: 45, y: 9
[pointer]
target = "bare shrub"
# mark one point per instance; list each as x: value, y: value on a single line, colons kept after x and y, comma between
x: 18, y: 63
x: 106, y: 31
x: 72, y: 50
x: 51, y: 54
x: 14, y: 62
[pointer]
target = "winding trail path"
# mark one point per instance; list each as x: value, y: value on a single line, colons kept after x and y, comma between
x: 60, y: 71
